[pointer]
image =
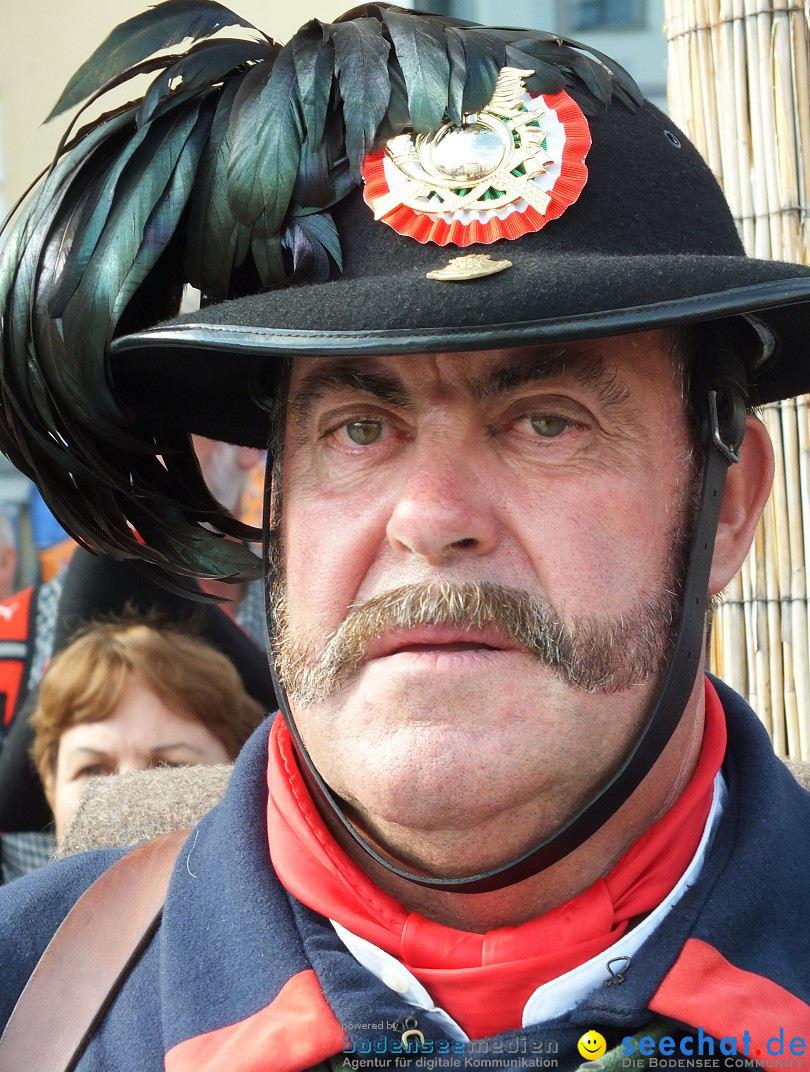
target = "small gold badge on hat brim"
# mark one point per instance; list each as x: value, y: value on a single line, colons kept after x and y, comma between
x: 472, y: 266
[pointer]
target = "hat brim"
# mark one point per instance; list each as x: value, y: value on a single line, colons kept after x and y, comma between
x: 203, y: 372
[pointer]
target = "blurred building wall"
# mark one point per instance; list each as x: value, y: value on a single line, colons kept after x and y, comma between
x: 43, y: 41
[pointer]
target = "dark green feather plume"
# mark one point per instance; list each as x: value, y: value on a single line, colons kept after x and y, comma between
x: 314, y: 59
x: 361, y: 64
x: 216, y: 242
x: 422, y: 54
x: 220, y: 175
x: 141, y: 37
x: 268, y: 128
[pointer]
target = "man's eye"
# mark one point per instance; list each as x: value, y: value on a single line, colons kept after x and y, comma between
x: 364, y: 433
x: 547, y: 425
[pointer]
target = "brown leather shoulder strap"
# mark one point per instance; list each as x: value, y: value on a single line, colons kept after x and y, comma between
x: 88, y: 959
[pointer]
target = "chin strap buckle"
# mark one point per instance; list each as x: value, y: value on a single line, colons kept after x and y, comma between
x: 727, y: 386
x: 729, y: 450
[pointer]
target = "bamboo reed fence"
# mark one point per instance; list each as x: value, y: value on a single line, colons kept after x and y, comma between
x: 739, y: 85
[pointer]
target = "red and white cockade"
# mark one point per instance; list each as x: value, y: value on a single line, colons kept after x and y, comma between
x: 505, y: 171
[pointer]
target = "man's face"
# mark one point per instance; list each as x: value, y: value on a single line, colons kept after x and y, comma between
x: 421, y: 497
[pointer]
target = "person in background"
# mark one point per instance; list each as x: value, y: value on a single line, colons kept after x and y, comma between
x: 8, y: 556
x: 127, y: 696
x: 227, y: 469
x: 96, y: 587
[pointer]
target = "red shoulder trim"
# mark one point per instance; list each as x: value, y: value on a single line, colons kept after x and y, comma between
x: 706, y: 990
x: 295, y: 1031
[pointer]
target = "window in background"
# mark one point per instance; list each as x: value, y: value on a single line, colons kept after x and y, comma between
x: 439, y: 7
x: 603, y: 15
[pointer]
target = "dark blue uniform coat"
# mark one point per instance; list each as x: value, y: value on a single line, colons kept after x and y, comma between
x: 242, y: 978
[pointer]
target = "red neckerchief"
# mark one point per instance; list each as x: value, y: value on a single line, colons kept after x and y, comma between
x: 485, y: 980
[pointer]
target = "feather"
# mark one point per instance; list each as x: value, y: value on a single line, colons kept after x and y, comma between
x: 594, y: 76
x: 216, y: 242
x: 164, y: 217
x: 623, y: 83
x: 422, y: 55
x: 339, y: 171
x: 181, y: 468
x: 545, y: 78
x: 309, y: 258
x: 21, y: 369
x: 87, y: 319
x: 193, y: 550
x: 140, y: 37
x: 266, y: 145
x: 95, y: 216
x: 457, y: 56
x: 147, y: 67
x: 553, y: 54
x: 361, y: 63
x: 312, y: 239
x: 312, y: 183
x: 397, y: 117
x: 314, y: 59
x: 203, y: 66
x: 265, y: 247
x: 341, y: 179
x: 174, y: 481
x: 55, y: 179
x: 382, y: 11
x: 485, y: 55
x: 67, y: 233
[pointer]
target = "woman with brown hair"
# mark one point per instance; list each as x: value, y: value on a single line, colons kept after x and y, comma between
x: 129, y: 696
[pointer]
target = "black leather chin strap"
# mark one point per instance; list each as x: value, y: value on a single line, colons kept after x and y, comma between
x: 725, y: 399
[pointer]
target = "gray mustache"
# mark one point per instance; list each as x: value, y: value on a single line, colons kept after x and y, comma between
x: 591, y: 653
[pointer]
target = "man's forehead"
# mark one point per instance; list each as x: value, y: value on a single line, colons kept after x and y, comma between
x: 607, y: 362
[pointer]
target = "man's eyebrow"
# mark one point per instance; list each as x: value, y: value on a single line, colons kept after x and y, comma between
x: 338, y: 375
x: 536, y: 366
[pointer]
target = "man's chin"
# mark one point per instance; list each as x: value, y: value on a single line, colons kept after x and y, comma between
x: 422, y: 763
x: 460, y: 822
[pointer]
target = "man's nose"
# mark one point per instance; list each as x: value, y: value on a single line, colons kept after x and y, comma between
x: 443, y: 510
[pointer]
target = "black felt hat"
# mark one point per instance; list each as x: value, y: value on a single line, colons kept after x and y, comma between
x: 240, y: 171
x: 650, y: 242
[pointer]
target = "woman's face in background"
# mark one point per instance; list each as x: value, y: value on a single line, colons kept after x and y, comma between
x: 141, y: 732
